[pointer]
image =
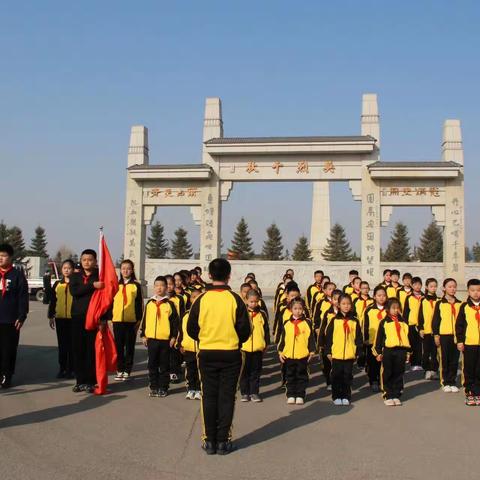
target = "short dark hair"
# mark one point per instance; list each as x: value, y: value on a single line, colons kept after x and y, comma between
x: 387, y: 270
x: 353, y: 272
x: 67, y: 262
x: 318, y: 272
x: 364, y: 282
x: 328, y: 284
x: 245, y: 285
x: 430, y: 280
x: 344, y: 296
x: 220, y: 269
x: 6, y: 248
x: 395, y: 272
x: 392, y: 301
x: 473, y: 282
x: 378, y: 288
x: 161, y: 278
x: 289, y: 270
x: 199, y: 270
x: 336, y: 293
x: 292, y: 287
x: 169, y: 277
x: 89, y: 251
x: 356, y: 278
x: 406, y: 275
x: 416, y: 280
x: 448, y: 280
x: 253, y: 293
x: 251, y: 274
x: 127, y: 262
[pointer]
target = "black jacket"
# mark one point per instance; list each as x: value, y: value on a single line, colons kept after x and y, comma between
x: 14, y: 300
x: 81, y: 288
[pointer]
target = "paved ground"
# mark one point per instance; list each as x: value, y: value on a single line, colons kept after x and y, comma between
x: 48, y: 432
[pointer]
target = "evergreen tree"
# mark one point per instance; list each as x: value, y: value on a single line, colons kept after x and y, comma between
x: 476, y: 252
x: 468, y: 255
x: 287, y: 255
x: 38, y: 245
x: 355, y: 257
x: 3, y: 232
x: 431, y: 244
x: 338, y: 248
x: 302, y: 252
x: 15, y: 239
x: 272, y: 246
x: 157, y: 245
x: 181, y: 248
x: 398, y: 249
x: 242, y: 245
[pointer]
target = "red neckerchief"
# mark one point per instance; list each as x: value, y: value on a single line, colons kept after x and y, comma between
x: 346, y: 327
x: 477, y: 313
x: 3, y: 274
x: 452, y: 307
x: 85, y: 278
x: 253, y: 313
x: 158, y: 303
x: 380, y: 313
x: 364, y: 300
x: 295, y: 322
x: 357, y: 292
x: 397, y: 326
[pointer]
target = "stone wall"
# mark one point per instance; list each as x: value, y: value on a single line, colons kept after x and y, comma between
x: 270, y: 273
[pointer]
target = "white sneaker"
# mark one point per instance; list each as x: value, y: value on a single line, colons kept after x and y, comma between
x: 389, y: 402
x: 299, y: 401
x: 173, y: 377
x: 338, y: 401
x: 397, y: 402
x: 454, y: 389
x: 447, y: 389
x: 291, y: 401
x: 428, y: 375
x: 125, y: 376
x: 416, y: 368
x: 198, y: 395
x: 329, y: 388
x: 345, y: 401
x: 190, y: 395
x: 119, y: 377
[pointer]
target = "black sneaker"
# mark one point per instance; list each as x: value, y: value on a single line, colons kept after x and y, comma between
x: 78, y: 388
x: 162, y: 393
x: 210, y: 448
x: 89, y: 388
x: 224, y: 448
x: 6, y: 382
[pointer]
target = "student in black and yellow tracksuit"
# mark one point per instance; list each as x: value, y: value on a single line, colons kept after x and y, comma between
x: 443, y: 328
x: 280, y: 290
x: 219, y: 322
x: 127, y: 314
x: 314, y: 288
x: 60, y: 319
x: 411, y: 313
x: 189, y: 349
x: 282, y: 311
x: 321, y: 307
x: 320, y: 330
x: 343, y: 343
x: 425, y: 316
x: 405, y: 290
x: 254, y: 349
x: 391, y: 348
x: 356, y: 282
x: 360, y: 305
x: 394, y: 286
x: 180, y: 281
x: 349, y: 287
x: 158, y: 332
x: 467, y: 330
x: 295, y: 349
x: 374, y: 314
x: 261, y: 301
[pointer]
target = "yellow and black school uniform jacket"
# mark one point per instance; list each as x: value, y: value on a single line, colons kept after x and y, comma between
x: 425, y: 315
x: 327, y: 318
x: 179, y: 303
x: 312, y: 290
x: 389, y: 337
x: 402, y: 297
x: 185, y: 294
x: 282, y: 295
x: 445, y: 316
x: 297, y: 339
x: 128, y: 303
x: 343, y: 337
x: 392, y: 290
x: 354, y: 295
x: 282, y: 315
x: 360, y: 306
x: 348, y: 289
x: 184, y: 339
x: 160, y: 319
x: 278, y: 292
x: 467, y: 327
x: 320, y: 310
x: 219, y: 320
x: 263, y: 307
x: 411, y: 310
x: 372, y: 318
x: 260, y: 337
x: 61, y: 301
x: 317, y: 298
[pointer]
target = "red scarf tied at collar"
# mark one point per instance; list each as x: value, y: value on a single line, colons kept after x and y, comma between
x: 477, y: 312
x: 397, y: 327
x: 3, y: 274
x: 295, y: 322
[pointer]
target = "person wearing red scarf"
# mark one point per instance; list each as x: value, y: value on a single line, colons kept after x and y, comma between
x: 391, y: 349
x: 13, y: 312
x: 467, y: 330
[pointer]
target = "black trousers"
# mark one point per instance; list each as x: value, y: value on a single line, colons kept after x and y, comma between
x: 393, y: 369
x: 416, y: 346
x: 9, y: 337
x: 362, y: 359
x: 191, y: 371
x: 429, y: 356
x: 158, y: 363
x: 63, y: 327
x: 296, y: 375
x: 342, y: 378
x: 83, y: 349
x: 219, y: 375
x: 373, y: 367
x: 449, y: 356
x: 125, y: 337
x: 175, y: 361
x: 326, y: 368
x: 252, y: 368
x: 471, y: 369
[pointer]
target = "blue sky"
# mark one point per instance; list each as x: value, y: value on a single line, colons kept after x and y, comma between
x: 75, y: 77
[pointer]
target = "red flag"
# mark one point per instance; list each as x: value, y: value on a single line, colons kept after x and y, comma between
x: 101, y: 301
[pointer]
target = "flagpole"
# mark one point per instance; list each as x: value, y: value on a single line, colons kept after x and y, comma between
x: 100, y: 253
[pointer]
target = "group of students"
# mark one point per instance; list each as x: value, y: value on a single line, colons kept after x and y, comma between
x: 399, y: 325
